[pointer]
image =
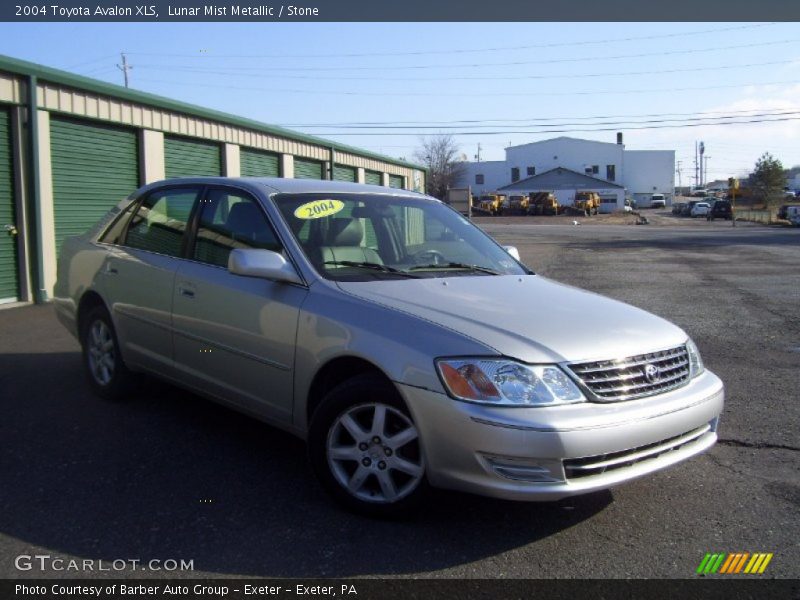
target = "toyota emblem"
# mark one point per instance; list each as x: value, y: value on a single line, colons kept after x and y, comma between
x: 652, y: 373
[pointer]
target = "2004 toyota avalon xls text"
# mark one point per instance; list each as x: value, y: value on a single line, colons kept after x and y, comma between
x: 385, y: 328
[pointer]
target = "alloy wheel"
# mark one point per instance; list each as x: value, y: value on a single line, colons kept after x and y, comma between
x: 373, y: 452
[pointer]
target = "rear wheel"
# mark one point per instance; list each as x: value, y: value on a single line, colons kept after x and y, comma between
x: 102, y: 361
x: 365, y: 448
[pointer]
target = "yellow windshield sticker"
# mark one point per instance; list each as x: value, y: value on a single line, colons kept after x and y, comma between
x: 318, y: 209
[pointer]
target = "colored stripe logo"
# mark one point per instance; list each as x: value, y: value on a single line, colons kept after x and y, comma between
x: 734, y: 563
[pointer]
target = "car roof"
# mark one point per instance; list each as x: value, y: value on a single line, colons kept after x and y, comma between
x: 287, y: 185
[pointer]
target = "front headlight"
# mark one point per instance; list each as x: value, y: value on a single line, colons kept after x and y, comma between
x: 504, y: 382
x: 695, y: 362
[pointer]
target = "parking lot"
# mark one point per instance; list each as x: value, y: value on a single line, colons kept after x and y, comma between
x: 169, y: 475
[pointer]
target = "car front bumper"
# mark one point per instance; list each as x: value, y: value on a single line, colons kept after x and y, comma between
x: 549, y: 453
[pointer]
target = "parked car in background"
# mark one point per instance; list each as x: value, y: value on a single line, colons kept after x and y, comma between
x: 364, y: 320
x: 686, y: 210
x: 700, y: 209
x: 700, y: 192
x: 677, y: 207
x: 793, y: 215
x: 721, y: 209
x: 658, y: 201
x: 783, y: 211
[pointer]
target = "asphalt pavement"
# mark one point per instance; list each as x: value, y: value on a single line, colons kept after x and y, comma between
x: 169, y: 475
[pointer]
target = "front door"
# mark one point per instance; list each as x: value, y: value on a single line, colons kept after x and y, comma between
x: 235, y: 336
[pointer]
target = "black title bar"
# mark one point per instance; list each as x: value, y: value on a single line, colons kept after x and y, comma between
x: 401, y: 11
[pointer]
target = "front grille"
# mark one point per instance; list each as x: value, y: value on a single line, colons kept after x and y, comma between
x: 627, y: 378
x: 576, y: 468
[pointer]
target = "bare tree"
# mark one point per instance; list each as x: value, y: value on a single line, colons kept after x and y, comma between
x: 439, y: 154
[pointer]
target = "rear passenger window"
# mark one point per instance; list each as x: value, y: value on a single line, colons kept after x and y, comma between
x: 160, y: 221
x: 231, y: 220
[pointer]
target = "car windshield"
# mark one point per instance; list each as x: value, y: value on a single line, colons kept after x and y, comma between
x: 363, y: 237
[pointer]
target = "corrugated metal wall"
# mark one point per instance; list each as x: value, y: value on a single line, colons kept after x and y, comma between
x: 94, y: 167
x: 341, y: 173
x: 307, y: 169
x: 254, y: 163
x: 395, y: 181
x: 373, y: 178
x: 9, y: 282
x: 184, y: 157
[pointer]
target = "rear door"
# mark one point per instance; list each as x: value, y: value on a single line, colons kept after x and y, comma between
x: 235, y: 335
x: 139, y: 274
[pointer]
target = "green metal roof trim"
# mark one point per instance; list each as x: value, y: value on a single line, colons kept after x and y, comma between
x: 23, y: 67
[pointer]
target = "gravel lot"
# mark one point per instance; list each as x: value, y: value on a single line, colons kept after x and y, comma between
x: 170, y: 475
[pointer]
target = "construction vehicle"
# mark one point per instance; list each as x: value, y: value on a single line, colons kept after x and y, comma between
x: 587, y: 203
x: 518, y: 205
x: 490, y: 204
x: 542, y: 203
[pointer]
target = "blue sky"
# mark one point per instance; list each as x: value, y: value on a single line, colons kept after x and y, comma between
x: 299, y: 75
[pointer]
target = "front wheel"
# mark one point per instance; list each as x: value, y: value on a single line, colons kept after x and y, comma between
x: 365, y: 449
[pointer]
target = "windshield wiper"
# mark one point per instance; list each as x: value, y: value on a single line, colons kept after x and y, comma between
x: 455, y: 265
x: 370, y: 265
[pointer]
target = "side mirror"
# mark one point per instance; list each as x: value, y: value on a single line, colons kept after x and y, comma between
x: 263, y: 264
x: 512, y: 250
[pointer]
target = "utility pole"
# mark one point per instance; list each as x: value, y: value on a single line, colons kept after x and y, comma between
x: 478, y: 155
x: 702, y: 174
x: 705, y: 167
x: 678, y: 173
x: 696, y: 175
x: 124, y: 67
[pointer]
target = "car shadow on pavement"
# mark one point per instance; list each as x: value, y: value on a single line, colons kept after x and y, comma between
x: 169, y: 475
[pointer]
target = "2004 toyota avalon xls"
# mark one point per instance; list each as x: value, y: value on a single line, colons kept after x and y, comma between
x: 405, y: 345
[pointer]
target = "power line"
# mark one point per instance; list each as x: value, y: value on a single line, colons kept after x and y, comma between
x: 567, y: 124
x: 463, y: 121
x: 582, y: 130
x: 518, y: 63
x: 573, y: 43
x: 318, y: 92
x: 228, y: 73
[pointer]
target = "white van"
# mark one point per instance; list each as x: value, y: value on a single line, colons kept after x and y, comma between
x: 658, y: 201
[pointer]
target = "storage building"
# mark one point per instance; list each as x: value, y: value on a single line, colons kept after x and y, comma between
x: 90, y: 144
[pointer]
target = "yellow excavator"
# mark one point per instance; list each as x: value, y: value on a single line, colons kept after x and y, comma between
x: 491, y: 204
x: 518, y: 205
x: 587, y: 203
x: 542, y: 203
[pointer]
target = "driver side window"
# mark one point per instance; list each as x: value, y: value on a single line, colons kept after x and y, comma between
x: 231, y: 219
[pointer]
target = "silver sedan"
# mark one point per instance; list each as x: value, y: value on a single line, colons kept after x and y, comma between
x: 402, y: 342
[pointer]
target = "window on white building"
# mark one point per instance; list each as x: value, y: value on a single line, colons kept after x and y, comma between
x: 611, y: 172
x: 595, y: 169
x: 531, y: 171
x: 515, y: 174
x: 478, y: 179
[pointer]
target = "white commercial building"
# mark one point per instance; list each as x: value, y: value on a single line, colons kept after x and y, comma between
x: 574, y: 165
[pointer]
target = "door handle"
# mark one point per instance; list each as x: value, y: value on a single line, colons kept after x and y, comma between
x: 186, y: 292
x: 111, y: 270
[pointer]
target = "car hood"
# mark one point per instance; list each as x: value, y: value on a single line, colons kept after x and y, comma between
x: 527, y: 317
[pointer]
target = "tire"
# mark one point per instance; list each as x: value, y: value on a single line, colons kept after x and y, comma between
x: 384, y: 464
x: 103, y: 366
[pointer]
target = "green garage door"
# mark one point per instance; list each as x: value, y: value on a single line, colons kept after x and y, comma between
x: 395, y: 181
x: 186, y: 158
x: 373, y: 178
x: 94, y: 167
x: 259, y: 164
x: 341, y: 173
x: 8, y: 243
x: 307, y: 169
